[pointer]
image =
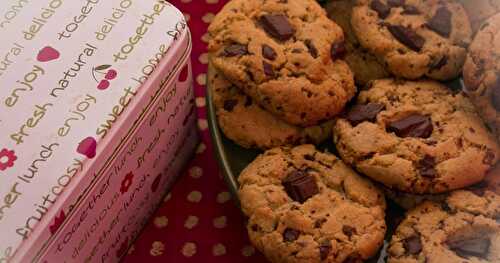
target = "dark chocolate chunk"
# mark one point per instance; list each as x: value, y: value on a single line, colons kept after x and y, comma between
x: 300, y: 186
x: 309, y: 157
x: 446, y: 207
x: 338, y: 50
x: 382, y: 9
x: 475, y: 247
x: 410, y: 10
x: 290, y: 235
x: 230, y: 104
x: 311, y: 48
x: 407, y: 37
x: 354, y: 258
x: 367, y: 112
x: 248, y: 101
x: 441, y: 22
x: 441, y: 63
x: 395, y: 3
x: 489, y: 157
x: 414, y: 125
x: 348, y: 230
x: 427, y: 167
x: 319, y: 222
x: 495, y: 94
x: 413, y: 245
x: 324, y: 250
x: 235, y: 50
x: 277, y: 26
x: 268, y: 52
x: 268, y: 69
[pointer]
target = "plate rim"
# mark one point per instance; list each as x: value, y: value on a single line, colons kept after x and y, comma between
x: 217, y: 142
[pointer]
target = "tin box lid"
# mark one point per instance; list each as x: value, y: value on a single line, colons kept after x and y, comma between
x: 69, y: 71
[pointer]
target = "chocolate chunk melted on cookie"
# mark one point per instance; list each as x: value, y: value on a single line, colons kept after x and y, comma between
x: 235, y: 50
x: 495, y: 94
x: 338, y: 50
x: 407, y: 37
x: 382, y: 9
x: 277, y: 26
x: 413, y: 245
x: 268, y: 69
x: 475, y: 247
x: 427, y: 166
x: 441, y: 22
x: 230, y: 104
x: 440, y: 63
x: 268, y: 52
x: 367, y: 112
x: 410, y: 10
x: 324, y: 250
x: 348, y: 230
x: 414, y: 125
x: 290, y: 235
x: 311, y: 48
x: 300, y: 186
x: 395, y: 3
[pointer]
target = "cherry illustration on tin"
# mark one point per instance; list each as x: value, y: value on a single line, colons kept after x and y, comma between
x: 103, y: 75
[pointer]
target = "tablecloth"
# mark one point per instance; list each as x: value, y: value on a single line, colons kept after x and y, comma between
x: 198, y: 221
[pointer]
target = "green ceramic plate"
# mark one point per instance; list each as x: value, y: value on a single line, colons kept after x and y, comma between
x: 233, y: 159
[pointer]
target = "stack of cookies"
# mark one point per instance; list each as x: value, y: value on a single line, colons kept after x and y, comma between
x: 283, y: 77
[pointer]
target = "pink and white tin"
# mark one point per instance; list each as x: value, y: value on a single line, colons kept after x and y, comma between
x: 96, y: 119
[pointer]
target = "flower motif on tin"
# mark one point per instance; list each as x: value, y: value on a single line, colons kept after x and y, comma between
x: 127, y: 182
x: 7, y: 159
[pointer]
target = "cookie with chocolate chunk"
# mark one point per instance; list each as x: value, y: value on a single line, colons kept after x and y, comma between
x: 463, y: 228
x: 363, y: 64
x: 489, y: 188
x: 414, y: 38
x: 480, y: 10
x: 308, y: 206
x: 250, y: 126
x: 482, y: 72
x: 416, y: 137
x: 286, y: 55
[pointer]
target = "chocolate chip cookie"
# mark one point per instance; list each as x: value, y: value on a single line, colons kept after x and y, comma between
x: 416, y: 137
x: 250, y: 126
x: 464, y: 228
x: 490, y: 183
x: 308, y: 206
x: 480, y: 10
x: 482, y: 198
x: 482, y: 72
x: 414, y: 38
x: 409, y: 201
x: 363, y: 64
x: 286, y: 55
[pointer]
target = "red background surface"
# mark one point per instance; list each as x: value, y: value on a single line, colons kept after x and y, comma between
x: 197, y: 221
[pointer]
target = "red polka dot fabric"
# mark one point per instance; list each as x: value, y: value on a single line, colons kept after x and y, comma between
x: 198, y: 221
